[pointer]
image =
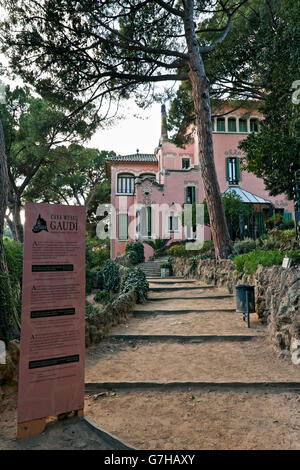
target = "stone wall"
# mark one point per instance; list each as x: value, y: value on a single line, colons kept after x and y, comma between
x: 98, y: 325
x: 277, y: 293
x: 96, y: 328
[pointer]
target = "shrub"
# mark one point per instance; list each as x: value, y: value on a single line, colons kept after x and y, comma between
x: 90, y: 310
x: 159, y: 245
x: 97, y: 252
x: 14, y: 259
x: 135, y: 251
x: 249, y: 262
x: 111, y: 276
x: 102, y: 296
x: 293, y: 255
x: 166, y: 265
x: 177, y: 250
x: 243, y: 246
x: 135, y: 279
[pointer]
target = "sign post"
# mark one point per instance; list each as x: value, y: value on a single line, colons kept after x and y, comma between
x: 51, y: 371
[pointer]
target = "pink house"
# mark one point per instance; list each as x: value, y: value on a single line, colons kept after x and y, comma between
x: 148, y: 190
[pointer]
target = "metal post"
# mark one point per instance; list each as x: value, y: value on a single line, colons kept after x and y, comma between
x: 247, y: 307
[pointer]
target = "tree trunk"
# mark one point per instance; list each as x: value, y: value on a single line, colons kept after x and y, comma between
x: 15, y: 207
x: 7, y: 309
x: 201, y: 99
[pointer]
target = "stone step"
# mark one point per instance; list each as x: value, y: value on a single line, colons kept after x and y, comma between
x: 136, y: 313
x: 182, y: 338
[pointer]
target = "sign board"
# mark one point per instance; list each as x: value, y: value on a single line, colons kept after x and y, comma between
x: 286, y: 262
x: 51, y: 371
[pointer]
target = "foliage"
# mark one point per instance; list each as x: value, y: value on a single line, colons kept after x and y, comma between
x: 243, y: 246
x: 135, y: 251
x: 235, y: 210
x: 166, y: 265
x: 279, y: 222
x: 277, y: 239
x: 111, y: 275
x: 135, y: 279
x: 90, y: 309
x: 14, y: 258
x: 177, y: 250
x: 97, y: 252
x: 249, y: 262
x: 102, y: 296
x: 159, y: 245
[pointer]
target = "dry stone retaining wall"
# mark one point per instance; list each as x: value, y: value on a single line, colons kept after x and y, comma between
x: 277, y: 293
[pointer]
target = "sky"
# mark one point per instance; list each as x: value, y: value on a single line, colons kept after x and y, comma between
x: 131, y: 133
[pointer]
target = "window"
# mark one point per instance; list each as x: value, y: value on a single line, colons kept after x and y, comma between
x: 213, y: 124
x: 149, y: 221
x: 233, y: 170
x: 123, y: 226
x: 231, y: 125
x: 221, y: 125
x: 125, y: 184
x: 190, y: 194
x: 185, y: 163
x: 173, y: 223
x: 253, y: 125
x: 242, y: 125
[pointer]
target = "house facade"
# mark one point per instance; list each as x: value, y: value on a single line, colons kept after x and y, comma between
x: 148, y: 191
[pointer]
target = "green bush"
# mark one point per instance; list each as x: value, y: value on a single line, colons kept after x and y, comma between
x: 135, y: 279
x: 14, y: 259
x: 243, y: 246
x: 135, y: 251
x: 249, y: 262
x: 177, y: 250
x: 97, y: 252
x: 166, y: 265
x: 90, y: 310
x: 102, y: 296
x: 294, y: 255
x: 111, y: 276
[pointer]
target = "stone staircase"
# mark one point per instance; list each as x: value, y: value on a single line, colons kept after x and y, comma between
x: 152, y: 268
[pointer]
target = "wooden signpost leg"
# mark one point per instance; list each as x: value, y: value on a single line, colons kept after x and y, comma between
x: 31, y: 428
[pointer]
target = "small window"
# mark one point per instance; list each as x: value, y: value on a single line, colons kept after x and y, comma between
x: 233, y: 170
x: 185, y: 163
x: 253, y: 125
x: 242, y: 125
x: 221, y: 125
x: 190, y: 195
x: 125, y: 184
x: 231, y: 125
x: 213, y: 124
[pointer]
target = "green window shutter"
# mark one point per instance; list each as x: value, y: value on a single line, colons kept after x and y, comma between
x: 149, y: 223
x: 287, y: 216
x: 231, y: 125
x: 221, y: 125
x: 261, y: 229
x: 242, y: 125
x: 193, y: 195
x: 238, y: 169
x: 123, y: 226
x: 227, y: 168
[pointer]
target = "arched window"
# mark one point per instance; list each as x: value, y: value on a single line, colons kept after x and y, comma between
x: 125, y: 184
x: 243, y: 125
x: 220, y: 124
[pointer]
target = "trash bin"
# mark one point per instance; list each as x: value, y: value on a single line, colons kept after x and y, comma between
x: 245, y: 301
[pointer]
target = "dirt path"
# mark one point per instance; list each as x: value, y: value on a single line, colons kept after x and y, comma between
x: 191, y: 418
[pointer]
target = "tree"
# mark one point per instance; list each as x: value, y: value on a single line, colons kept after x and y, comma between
x: 33, y: 127
x: 7, y: 308
x: 108, y: 50
x: 73, y: 176
x: 264, y: 70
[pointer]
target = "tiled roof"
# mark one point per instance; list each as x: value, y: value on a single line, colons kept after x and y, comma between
x: 137, y: 157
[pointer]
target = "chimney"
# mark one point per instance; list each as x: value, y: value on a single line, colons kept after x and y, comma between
x: 164, y: 131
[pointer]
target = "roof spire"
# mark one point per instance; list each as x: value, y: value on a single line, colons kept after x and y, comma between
x: 164, y: 131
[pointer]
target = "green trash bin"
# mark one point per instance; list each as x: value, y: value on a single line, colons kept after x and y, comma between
x: 245, y: 300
